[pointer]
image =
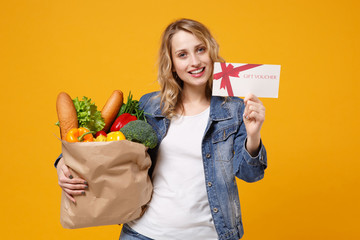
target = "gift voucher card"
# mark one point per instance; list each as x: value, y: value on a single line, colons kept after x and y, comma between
x: 240, y: 79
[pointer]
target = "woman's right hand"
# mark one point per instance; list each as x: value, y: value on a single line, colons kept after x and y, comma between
x: 71, y: 186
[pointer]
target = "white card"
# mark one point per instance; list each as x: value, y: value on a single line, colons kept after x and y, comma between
x: 240, y: 79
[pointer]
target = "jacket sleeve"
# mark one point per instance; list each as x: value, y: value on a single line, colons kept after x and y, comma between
x: 57, y: 160
x: 246, y: 167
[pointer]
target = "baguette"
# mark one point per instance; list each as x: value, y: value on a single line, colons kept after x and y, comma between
x: 66, y: 114
x: 111, y: 108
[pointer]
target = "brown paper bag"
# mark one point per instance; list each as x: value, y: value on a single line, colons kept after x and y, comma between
x: 119, y: 185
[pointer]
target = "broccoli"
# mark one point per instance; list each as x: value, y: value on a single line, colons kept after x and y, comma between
x: 141, y: 132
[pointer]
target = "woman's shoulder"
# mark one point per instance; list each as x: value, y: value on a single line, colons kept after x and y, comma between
x: 152, y: 97
x: 146, y: 96
x: 150, y: 101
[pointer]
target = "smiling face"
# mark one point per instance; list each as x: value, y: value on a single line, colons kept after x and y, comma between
x: 191, y: 59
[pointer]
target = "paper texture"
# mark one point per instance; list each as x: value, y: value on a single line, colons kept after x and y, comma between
x: 240, y: 79
x: 119, y: 185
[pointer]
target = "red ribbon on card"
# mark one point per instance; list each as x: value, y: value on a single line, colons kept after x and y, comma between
x: 229, y: 71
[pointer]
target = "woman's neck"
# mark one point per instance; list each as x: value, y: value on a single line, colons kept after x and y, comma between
x: 194, y: 101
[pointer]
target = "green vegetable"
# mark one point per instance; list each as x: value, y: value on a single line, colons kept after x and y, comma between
x: 88, y: 115
x: 140, y: 131
x: 132, y: 107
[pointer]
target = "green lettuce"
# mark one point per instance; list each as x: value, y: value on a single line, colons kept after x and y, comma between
x: 88, y: 115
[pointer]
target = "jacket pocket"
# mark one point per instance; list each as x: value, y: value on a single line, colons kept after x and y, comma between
x: 224, y: 133
x: 223, y: 142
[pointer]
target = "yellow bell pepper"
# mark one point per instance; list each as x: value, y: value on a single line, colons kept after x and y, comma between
x: 115, y: 136
x: 100, y: 138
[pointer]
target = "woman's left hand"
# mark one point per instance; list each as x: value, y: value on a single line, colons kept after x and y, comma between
x: 254, y: 117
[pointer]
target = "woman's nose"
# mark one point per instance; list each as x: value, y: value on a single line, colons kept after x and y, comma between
x: 195, y: 61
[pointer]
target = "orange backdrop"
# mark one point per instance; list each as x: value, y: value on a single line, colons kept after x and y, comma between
x: 311, y: 188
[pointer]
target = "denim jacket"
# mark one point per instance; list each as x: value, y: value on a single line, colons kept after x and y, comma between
x: 224, y: 157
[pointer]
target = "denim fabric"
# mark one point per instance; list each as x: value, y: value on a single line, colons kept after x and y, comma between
x: 128, y: 233
x: 224, y: 158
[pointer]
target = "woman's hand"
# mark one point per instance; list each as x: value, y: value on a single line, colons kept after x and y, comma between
x: 254, y: 117
x: 71, y: 186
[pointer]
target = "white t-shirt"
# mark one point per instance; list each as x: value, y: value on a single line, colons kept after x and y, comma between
x: 179, y: 208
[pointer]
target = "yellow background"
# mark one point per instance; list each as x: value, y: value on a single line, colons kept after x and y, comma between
x: 311, y: 188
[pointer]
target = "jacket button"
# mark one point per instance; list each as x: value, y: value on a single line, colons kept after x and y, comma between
x: 215, y: 210
x: 208, y: 155
x: 209, y: 184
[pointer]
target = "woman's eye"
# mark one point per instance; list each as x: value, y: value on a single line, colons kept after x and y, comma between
x: 201, y: 49
x: 182, y: 55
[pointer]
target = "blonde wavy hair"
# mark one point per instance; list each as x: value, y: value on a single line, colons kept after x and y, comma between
x: 170, y: 84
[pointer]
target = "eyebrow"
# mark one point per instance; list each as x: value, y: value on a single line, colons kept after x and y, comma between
x: 181, y: 50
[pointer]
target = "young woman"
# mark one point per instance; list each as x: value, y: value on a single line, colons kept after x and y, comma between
x: 205, y: 142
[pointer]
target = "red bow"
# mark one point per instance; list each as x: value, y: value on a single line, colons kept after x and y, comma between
x: 230, y: 71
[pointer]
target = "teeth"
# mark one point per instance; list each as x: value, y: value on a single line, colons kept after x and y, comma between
x: 197, y: 71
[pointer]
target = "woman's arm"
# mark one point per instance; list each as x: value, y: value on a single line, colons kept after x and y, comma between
x: 253, y: 117
x: 250, y: 158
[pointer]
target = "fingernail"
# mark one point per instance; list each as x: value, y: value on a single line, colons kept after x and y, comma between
x: 86, y: 187
x: 83, y: 193
x: 86, y: 182
x: 71, y: 177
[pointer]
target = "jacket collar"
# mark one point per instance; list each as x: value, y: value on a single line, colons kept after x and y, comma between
x: 157, y: 112
x: 220, y: 108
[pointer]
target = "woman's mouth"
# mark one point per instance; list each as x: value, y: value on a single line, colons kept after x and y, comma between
x: 197, y: 72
